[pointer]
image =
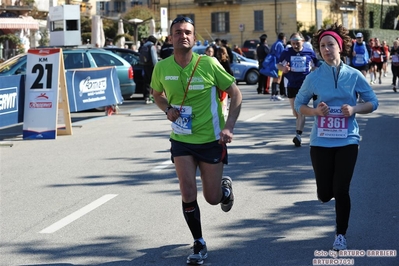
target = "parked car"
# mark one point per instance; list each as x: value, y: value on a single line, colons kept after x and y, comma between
x: 249, y: 48
x: 133, y: 58
x: 244, y: 69
x: 82, y: 58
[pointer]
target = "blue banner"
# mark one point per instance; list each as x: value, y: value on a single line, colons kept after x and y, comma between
x: 93, y: 88
x: 11, y: 100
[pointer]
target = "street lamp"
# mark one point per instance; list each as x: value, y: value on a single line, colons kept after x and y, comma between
x: 136, y: 22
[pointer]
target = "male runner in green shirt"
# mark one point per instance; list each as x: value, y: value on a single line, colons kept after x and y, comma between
x: 186, y: 87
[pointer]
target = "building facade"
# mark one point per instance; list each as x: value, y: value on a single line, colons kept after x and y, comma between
x: 239, y: 20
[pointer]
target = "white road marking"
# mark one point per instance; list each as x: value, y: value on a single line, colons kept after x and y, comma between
x: 255, y: 117
x: 79, y: 213
x: 161, y: 166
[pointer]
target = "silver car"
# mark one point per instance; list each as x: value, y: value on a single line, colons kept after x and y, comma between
x: 244, y: 69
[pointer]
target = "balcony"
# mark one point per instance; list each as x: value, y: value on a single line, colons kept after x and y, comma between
x: 216, y: 2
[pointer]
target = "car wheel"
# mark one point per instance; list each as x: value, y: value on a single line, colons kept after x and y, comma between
x: 252, y: 77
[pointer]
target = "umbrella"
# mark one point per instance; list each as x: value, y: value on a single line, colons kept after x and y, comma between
x: 121, y: 42
x: 97, y: 31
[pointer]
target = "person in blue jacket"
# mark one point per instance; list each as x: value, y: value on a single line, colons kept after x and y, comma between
x: 335, y: 137
x: 296, y: 62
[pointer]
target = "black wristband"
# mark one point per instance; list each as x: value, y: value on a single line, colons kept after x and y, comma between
x: 167, y: 109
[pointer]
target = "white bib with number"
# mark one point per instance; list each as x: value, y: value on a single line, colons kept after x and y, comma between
x: 334, y: 125
x: 183, y: 125
x: 298, y: 63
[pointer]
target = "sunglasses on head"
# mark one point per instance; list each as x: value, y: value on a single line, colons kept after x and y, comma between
x: 181, y: 19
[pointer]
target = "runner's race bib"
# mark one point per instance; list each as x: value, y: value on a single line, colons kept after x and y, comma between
x: 334, y: 125
x: 183, y: 125
x: 298, y: 63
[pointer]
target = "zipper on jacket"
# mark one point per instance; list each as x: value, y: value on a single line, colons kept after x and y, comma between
x: 334, y: 69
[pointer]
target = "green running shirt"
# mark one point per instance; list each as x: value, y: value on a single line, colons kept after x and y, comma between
x: 207, y: 119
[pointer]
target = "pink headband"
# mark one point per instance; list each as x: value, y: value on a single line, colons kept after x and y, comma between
x: 334, y: 35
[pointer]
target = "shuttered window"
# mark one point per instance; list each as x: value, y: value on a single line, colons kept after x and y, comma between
x: 220, y: 22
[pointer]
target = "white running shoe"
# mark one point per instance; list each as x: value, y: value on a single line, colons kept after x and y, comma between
x: 340, y: 242
x: 200, y: 253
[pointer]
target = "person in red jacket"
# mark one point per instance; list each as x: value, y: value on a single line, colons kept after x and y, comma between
x: 377, y: 59
x: 386, y: 57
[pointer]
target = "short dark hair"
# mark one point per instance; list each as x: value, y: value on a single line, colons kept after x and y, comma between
x: 152, y: 38
x: 263, y: 37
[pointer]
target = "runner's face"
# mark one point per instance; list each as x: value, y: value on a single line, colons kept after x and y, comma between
x: 329, y: 49
x: 183, y: 36
x: 297, y: 45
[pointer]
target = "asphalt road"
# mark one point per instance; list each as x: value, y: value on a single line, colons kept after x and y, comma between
x: 108, y: 194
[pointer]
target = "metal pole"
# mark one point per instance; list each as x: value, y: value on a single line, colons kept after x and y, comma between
x: 315, y: 12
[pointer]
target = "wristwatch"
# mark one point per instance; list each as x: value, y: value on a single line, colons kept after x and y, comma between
x: 167, y: 109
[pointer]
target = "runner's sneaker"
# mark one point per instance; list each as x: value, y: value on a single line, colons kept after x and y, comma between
x: 200, y: 253
x: 297, y: 140
x: 340, y: 242
x: 278, y: 98
x: 228, y: 203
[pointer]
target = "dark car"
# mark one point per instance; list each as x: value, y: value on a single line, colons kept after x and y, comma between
x: 249, y: 48
x: 133, y: 58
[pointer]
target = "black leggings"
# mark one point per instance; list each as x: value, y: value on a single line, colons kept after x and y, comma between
x: 333, y: 168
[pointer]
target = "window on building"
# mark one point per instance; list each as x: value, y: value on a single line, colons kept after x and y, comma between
x: 258, y: 20
x: 119, y: 7
x: 57, y: 25
x: 102, y: 8
x: 136, y: 3
x: 220, y: 22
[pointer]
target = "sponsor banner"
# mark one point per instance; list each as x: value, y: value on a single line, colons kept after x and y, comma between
x: 11, y: 100
x: 91, y: 88
x: 41, y: 93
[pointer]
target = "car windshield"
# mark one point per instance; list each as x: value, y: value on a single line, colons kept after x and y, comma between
x: 7, y: 65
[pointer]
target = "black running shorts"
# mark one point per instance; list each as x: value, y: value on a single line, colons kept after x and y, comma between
x: 211, y: 152
x: 292, y: 92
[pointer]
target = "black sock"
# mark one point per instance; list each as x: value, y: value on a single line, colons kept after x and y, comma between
x: 192, y: 215
x: 274, y: 88
x: 299, y: 132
